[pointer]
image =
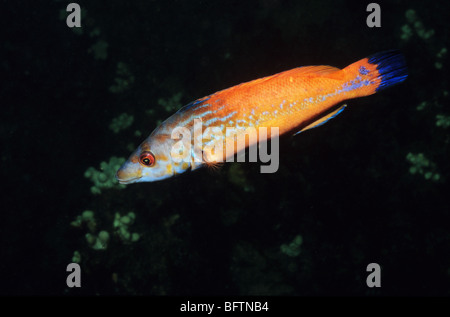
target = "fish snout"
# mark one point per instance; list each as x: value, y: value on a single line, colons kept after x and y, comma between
x: 125, y: 175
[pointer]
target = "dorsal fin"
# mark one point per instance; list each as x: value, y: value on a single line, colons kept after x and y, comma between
x: 323, y: 120
x: 318, y: 70
x: 194, y: 103
x: 321, y: 70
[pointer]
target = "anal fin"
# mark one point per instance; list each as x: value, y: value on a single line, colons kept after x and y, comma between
x: 323, y: 120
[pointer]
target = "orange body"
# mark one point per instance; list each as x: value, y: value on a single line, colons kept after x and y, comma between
x: 289, y: 99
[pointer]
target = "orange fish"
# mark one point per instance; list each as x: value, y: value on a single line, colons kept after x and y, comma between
x: 292, y: 101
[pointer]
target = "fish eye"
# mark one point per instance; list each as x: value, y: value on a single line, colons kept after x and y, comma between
x: 147, y: 159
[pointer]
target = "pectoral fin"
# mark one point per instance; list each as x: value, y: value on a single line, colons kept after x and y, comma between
x: 323, y: 120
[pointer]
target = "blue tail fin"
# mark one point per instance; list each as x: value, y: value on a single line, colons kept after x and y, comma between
x: 391, y: 66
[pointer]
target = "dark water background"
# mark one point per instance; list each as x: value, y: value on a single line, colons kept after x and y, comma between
x: 345, y: 188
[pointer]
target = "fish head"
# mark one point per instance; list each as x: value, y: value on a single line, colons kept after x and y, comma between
x: 152, y: 161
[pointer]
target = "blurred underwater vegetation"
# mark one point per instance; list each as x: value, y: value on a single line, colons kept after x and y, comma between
x: 370, y: 186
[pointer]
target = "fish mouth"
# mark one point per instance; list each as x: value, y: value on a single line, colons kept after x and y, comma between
x: 123, y: 179
x: 127, y: 181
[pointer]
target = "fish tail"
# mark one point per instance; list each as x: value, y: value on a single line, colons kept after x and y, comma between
x: 375, y: 73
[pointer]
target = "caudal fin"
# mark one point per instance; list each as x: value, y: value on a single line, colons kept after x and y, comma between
x: 391, y: 66
x: 377, y: 72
